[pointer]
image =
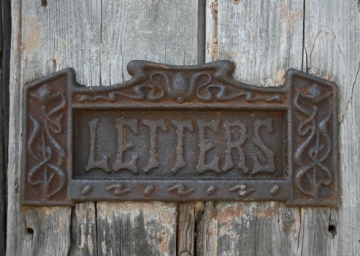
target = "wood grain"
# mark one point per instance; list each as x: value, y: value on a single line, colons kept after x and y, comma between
x: 132, y: 228
x: 263, y: 44
x: 97, y: 38
x: 160, y: 31
x: 45, y: 229
x: 83, y: 230
x: 332, y: 43
x: 186, y: 228
x: 249, y: 229
x: 263, y: 38
x: 331, y: 46
x: 206, y: 234
x: 157, y: 31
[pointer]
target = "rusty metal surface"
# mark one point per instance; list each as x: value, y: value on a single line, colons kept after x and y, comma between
x: 180, y: 133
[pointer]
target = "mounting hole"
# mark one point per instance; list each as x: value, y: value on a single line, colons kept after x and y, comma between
x: 332, y: 230
x: 29, y: 231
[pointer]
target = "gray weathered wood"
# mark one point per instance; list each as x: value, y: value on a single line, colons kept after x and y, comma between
x: 45, y: 228
x: 263, y: 38
x: 157, y: 31
x: 30, y: 231
x: 249, y: 229
x: 315, y: 237
x: 161, y: 31
x: 263, y: 44
x: 132, y: 228
x: 332, y: 43
x: 331, y: 50
x: 97, y: 39
x: 2, y: 157
x: 83, y: 230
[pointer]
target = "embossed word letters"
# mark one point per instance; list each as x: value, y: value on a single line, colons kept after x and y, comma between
x: 180, y: 133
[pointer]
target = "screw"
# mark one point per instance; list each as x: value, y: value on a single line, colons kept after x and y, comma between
x: 288, y: 214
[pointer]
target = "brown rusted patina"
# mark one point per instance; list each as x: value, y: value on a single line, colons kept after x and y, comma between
x: 180, y: 133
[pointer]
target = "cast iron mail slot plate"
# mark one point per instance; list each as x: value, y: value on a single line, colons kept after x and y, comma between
x: 180, y: 133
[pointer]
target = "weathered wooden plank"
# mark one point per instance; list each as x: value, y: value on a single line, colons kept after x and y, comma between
x: 136, y: 228
x: 5, y: 21
x: 332, y: 43
x: 44, y: 40
x: 263, y: 44
x: 45, y: 228
x: 160, y: 31
x: 83, y: 230
x: 318, y: 235
x: 286, y: 226
x: 157, y: 31
x: 89, y: 37
x: 263, y: 38
x: 206, y: 235
x: 186, y: 228
x: 14, y: 221
x: 248, y: 229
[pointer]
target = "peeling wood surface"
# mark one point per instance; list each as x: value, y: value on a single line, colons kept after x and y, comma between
x: 263, y: 44
x: 83, y: 230
x: 264, y: 38
x: 98, y: 39
x: 186, y: 228
x: 131, y: 228
x: 330, y: 38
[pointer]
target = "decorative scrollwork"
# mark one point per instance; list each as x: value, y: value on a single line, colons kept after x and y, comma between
x: 181, y: 190
x: 202, y: 83
x: 43, y: 146
x: 242, y: 190
x: 315, y: 146
x: 117, y: 189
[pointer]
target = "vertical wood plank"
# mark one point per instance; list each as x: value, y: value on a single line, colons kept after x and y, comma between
x: 286, y: 226
x: 5, y: 27
x: 45, y: 228
x: 315, y: 236
x: 83, y: 230
x: 186, y: 229
x: 97, y: 39
x: 332, y: 43
x: 263, y: 44
x: 132, y: 228
x: 15, y: 222
x: 264, y: 38
x: 159, y: 31
x: 206, y: 234
x: 44, y: 40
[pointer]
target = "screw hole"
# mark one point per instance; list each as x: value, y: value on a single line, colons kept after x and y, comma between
x: 29, y: 231
x: 332, y: 230
x: 44, y: 3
